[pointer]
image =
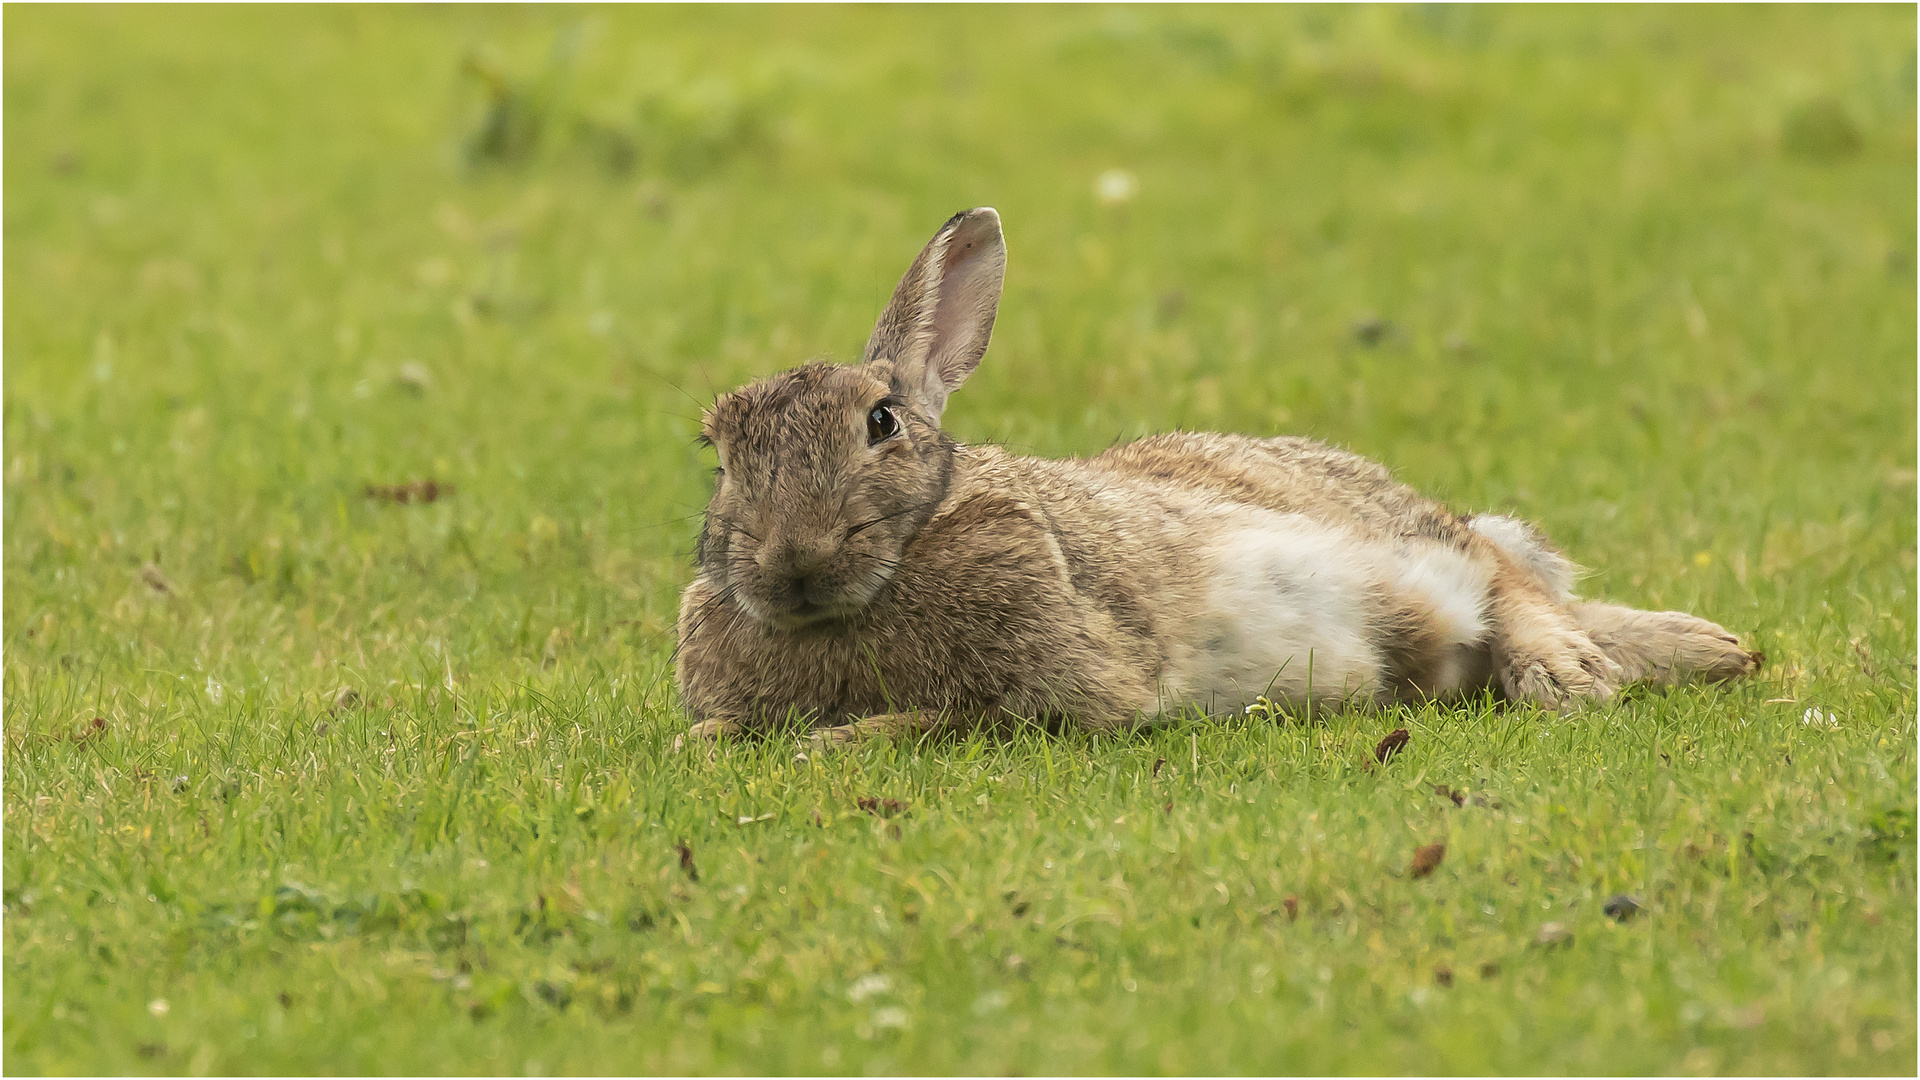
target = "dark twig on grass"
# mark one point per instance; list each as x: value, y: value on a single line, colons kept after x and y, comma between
x: 157, y: 581
x: 420, y: 491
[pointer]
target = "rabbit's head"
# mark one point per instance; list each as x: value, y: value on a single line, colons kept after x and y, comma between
x: 828, y: 471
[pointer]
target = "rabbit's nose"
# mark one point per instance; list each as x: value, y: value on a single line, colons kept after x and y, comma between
x: 794, y: 561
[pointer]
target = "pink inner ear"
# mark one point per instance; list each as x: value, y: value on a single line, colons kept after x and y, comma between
x: 964, y: 309
x: 933, y: 331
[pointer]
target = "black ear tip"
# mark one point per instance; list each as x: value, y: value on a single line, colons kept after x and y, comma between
x: 977, y: 214
x: 973, y: 228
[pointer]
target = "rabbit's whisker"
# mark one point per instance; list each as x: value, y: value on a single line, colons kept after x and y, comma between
x: 701, y: 615
x: 888, y: 517
x: 735, y: 527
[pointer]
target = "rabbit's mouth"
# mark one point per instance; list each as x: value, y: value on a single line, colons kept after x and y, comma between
x: 792, y: 604
x: 803, y: 613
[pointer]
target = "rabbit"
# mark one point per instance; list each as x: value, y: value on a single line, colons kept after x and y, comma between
x: 862, y: 572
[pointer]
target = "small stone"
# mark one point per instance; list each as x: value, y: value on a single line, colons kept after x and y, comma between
x: 1371, y: 329
x: 1621, y: 907
x: 867, y: 986
x: 346, y: 698
x: 1553, y: 935
x: 180, y: 782
x: 414, y: 376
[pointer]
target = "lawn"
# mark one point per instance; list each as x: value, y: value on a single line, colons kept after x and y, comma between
x: 354, y: 359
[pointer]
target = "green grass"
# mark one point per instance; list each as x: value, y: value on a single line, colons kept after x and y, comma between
x: 1645, y: 276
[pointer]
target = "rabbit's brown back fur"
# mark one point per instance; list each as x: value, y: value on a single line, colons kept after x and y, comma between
x: 858, y: 563
x: 1289, y: 474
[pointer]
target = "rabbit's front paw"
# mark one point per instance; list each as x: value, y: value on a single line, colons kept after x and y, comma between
x: 705, y: 733
x: 832, y: 738
x: 887, y: 724
x: 1558, y: 674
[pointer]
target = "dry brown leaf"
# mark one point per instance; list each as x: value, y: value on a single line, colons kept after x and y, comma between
x: 1425, y: 859
x: 1395, y: 741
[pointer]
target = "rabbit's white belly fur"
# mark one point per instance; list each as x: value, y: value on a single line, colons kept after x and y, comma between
x: 1285, y: 609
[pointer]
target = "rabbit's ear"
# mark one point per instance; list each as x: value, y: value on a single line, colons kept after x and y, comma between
x: 935, y: 329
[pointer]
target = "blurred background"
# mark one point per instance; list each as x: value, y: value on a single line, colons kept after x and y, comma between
x: 376, y: 336
x: 353, y: 361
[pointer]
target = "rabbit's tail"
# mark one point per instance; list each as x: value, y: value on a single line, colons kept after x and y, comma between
x: 1523, y: 544
x: 1666, y: 648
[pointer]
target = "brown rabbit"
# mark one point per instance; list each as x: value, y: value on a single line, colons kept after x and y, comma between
x: 860, y: 571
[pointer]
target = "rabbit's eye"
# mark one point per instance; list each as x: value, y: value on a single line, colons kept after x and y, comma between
x: 881, y: 424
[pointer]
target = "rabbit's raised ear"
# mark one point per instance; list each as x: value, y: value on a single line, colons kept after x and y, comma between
x: 935, y: 329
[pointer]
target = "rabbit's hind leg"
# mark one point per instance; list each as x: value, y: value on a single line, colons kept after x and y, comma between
x: 1540, y: 653
x: 1665, y: 648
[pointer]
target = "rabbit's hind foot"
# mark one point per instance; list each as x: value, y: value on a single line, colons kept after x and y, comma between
x: 1557, y: 670
x: 1666, y: 648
